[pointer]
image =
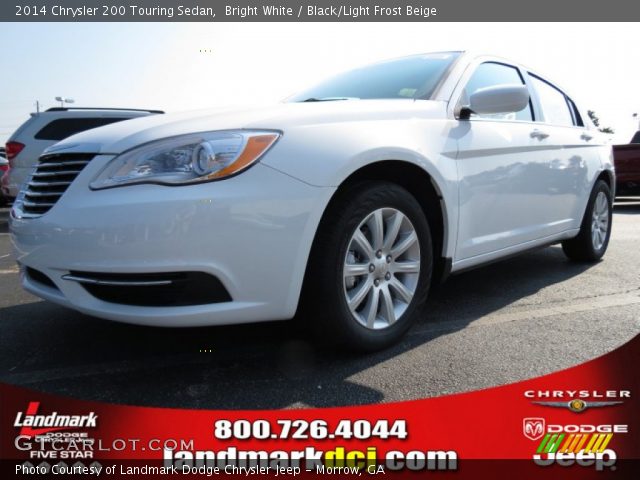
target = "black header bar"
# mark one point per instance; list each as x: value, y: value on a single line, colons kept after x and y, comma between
x: 319, y: 11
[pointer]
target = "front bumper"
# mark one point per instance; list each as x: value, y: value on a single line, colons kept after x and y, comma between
x: 252, y: 232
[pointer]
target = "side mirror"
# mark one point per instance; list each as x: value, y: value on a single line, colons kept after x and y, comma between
x: 499, y: 99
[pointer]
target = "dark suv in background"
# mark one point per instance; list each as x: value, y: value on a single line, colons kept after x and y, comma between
x: 627, y: 162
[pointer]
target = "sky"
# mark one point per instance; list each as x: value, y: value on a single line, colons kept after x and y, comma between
x: 187, y: 66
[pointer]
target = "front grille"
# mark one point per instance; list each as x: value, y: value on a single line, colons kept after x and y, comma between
x: 51, y: 178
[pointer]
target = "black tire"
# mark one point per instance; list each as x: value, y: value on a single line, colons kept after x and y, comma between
x: 324, y: 307
x: 582, y: 248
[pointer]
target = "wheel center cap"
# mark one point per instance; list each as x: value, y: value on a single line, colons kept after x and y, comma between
x: 382, y: 267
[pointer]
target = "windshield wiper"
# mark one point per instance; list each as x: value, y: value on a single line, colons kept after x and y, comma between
x: 329, y: 99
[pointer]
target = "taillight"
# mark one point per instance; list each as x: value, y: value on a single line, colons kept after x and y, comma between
x: 13, y: 149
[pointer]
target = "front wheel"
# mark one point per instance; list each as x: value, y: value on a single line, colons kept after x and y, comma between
x: 595, y: 231
x: 370, y: 267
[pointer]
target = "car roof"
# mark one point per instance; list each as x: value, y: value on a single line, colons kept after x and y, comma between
x: 38, y: 120
x: 101, y: 109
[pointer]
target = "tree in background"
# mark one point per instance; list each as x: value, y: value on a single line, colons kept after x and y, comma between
x: 596, y: 121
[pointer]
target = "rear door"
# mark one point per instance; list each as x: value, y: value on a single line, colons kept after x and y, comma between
x: 574, y: 152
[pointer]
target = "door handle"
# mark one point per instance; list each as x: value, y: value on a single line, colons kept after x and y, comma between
x: 538, y: 134
x: 586, y: 137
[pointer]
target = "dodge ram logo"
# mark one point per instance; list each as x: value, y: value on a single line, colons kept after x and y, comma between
x: 533, y: 428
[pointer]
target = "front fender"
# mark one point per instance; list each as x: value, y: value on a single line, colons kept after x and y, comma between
x: 326, y: 155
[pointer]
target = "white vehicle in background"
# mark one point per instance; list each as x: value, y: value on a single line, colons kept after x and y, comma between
x: 4, y: 167
x: 44, y: 129
x: 342, y: 204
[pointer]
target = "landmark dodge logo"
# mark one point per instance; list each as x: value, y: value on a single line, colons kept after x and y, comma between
x: 533, y: 428
x: 50, y: 423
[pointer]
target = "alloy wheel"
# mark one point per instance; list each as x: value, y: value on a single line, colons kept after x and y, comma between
x: 381, y: 268
x: 600, y: 221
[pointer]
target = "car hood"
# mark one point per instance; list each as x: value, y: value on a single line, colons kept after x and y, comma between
x: 121, y: 136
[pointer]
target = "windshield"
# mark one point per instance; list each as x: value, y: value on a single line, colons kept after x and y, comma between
x: 409, y: 77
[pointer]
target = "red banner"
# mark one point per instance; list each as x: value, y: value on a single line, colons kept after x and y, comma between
x: 581, y: 422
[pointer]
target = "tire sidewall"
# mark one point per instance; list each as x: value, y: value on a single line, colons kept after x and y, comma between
x: 600, y: 186
x: 366, y: 201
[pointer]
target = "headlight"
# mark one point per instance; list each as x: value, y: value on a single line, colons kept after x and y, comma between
x: 187, y: 159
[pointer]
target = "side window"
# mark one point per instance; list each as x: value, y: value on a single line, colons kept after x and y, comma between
x: 65, y: 127
x: 492, y: 74
x: 556, y: 107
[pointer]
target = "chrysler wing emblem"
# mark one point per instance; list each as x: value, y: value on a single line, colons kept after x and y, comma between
x: 577, y: 405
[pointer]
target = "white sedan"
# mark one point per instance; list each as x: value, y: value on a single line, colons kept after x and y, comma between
x: 341, y: 205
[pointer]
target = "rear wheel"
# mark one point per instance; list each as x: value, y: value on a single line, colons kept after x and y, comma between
x: 595, y: 231
x: 370, y: 267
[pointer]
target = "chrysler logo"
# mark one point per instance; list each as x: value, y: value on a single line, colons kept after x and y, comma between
x: 577, y: 405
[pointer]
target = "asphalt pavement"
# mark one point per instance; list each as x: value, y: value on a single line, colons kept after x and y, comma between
x: 520, y: 318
